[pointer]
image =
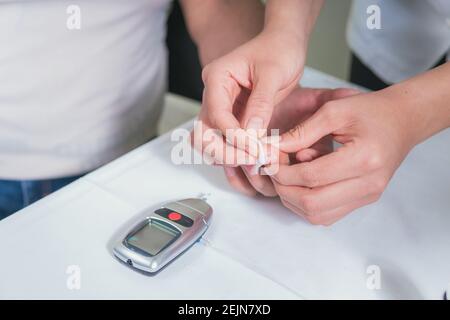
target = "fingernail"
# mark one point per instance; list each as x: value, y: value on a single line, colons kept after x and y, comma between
x: 230, y: 172
x: 255, y: 123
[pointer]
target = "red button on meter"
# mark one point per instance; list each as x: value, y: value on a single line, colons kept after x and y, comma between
x: 174, y: 216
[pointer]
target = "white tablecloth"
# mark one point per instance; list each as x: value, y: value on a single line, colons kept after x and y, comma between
x: 255, y: 248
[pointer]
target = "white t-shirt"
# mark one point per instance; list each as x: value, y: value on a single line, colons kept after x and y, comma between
x: 74, y: 99
x: 414, y: 36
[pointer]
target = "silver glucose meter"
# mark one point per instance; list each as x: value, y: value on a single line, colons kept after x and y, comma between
x: 160, y: 234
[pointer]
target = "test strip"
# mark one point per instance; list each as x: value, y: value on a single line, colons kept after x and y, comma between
x: 261, y: 160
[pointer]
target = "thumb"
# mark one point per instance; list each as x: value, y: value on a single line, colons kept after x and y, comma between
x: 259, y: 108
x: 322, y: 123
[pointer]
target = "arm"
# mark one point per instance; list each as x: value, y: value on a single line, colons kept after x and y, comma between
x: 425, y: 101
x: 293, y: 17
x: 219, y: 26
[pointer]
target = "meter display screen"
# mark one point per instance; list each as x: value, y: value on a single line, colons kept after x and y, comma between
x: 153, y: 237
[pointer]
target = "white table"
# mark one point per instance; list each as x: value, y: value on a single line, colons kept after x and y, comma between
x: 255, y: 248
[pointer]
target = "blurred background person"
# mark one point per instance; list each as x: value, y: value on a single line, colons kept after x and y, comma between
x: 84, y: 83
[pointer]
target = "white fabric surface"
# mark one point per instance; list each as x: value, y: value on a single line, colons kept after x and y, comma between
x: 255, y: 248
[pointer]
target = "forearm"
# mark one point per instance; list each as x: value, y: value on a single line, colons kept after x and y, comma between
x: 424, y: 101
x: 292, y: 17
x: 219, y: 26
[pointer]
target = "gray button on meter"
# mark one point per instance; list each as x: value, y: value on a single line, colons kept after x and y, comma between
x: 160, y: 234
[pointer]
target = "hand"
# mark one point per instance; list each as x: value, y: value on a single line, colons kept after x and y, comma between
x: 376, y: 132
x: 244, y: 84
x: 242, y: 87
x: 297, y: 107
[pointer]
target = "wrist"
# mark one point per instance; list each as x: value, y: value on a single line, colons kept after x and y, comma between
x: 293, y: 18
x: 293, y: 38
x: 289, y: 46
x: 414, y: 117
x: 224, y: 26
x: 426, y: 101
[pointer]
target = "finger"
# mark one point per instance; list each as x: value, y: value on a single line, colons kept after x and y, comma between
x: 226, y: 154
x: 335, y: 94
x: 294, y: 195
x: 308, y: 100
x: 342, y: 164
x: 258, y: 111
x: 322, y: 123
x: 307, y: 155
x: 346, y: 192
x: 323, y: 147
x: 210, y: 143
x: 238, y: 181
x: 280, y: 159
x: 322, y: 199
x: 218, y: 98
x: 332, y: 216
x: 244, y: 140
x: 293, y: 208
x: 260, y: 183
x: 317, y: 201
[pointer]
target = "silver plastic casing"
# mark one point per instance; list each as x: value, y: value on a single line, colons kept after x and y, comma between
x: 196, y: 209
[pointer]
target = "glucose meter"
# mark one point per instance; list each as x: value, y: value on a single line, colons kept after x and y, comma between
x: 160, y: 234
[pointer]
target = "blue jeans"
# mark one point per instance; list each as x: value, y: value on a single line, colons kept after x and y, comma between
x: 17, y: 194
